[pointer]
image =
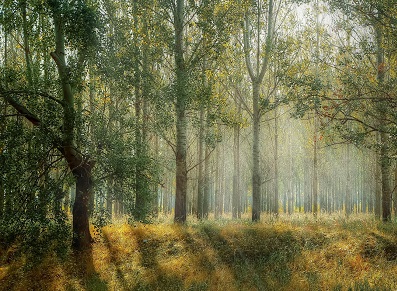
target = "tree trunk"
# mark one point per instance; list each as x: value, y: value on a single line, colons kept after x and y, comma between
x: 384, y: 140
x: 143, y: 197
x: 1, y: 199
x: 81, y: 234
x: 181, y: 171
x: 256, y: 77
x: 394, y: 195
x: 181, y: 119
x: 256, y: 179
x: 276, y: 198
x: 315, y: 169
x: 236, y: 202
x: 348, y: 190
x: 79, y: 166
x: 218, y: 181
x: 206, y: 196
x: 200, y: 186
x: 385, y: 173
x: 378, y: 187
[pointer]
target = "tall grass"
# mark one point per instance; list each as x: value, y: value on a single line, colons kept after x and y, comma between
x: 294, y: 252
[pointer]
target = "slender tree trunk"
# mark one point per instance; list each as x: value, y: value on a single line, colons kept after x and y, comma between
x: 218, y: 181
x: 236, y: 207
x: 200, y: 188
x: 348, y: 190
x: 276, y: 194
x: 378, y: 186
x: 256, y: 179
x: 207, y: 188
x: 384, y: 140
x: 395, y: 191
x: 256, y: 77
x: 181, y: 118
x: 315, y: 169
x: 385, y: 173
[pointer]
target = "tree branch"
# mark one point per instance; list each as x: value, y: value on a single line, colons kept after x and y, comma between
x: 247, y: 48
x: 22, y: 109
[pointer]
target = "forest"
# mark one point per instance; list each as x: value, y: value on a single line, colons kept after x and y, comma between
x: 198, y: 145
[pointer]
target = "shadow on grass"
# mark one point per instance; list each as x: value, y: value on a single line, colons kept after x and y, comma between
x: 113, y: 258
x: 162, y: 280
x: 259, y: 258
x: 85, y: 270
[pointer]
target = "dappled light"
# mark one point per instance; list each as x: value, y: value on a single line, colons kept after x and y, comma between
x: 198, y: 145
x: 292, y: 253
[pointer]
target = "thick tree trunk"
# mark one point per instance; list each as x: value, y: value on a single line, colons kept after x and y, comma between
x: 81, y: 234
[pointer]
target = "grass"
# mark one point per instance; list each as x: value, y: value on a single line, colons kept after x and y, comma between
x: 288, y: 253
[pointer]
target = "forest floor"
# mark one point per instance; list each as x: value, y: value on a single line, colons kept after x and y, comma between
x: 289, y: 253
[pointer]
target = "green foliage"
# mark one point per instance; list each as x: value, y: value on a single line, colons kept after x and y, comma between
x: 100, y: 218
x: 83, y: 24
x: 37, y: 236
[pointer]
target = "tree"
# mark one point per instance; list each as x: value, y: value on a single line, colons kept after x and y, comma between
x: 79, y: 164
x: 256, y: 75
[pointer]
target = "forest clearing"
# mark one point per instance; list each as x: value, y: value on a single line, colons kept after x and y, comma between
x: 288, y: 253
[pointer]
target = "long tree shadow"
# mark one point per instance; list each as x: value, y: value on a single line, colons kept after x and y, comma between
x: 113, y: 258
x: 162, y: 280
x: 85, y: 269
x: 256, y: 257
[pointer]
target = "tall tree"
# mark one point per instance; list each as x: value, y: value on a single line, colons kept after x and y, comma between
x: 257, y: 71
x: 79, y: 164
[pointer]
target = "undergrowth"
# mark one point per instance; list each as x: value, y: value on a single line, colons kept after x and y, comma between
x: 284, y: 253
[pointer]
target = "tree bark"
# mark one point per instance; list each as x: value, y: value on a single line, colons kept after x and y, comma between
x: 348, y: 194
x: 315, y: 167
x: 378, y: 185
x: 256, y: 179
x: 384, y: 140
x: 200, y: 186
x: 276, y: 194
x: 181, y: 118
x: 206, y: 196
x: 236, y: 201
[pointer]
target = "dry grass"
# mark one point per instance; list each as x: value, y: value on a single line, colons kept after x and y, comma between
x: 287, y: 253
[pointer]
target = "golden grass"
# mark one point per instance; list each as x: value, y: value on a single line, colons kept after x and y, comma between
x: 287, y: 253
